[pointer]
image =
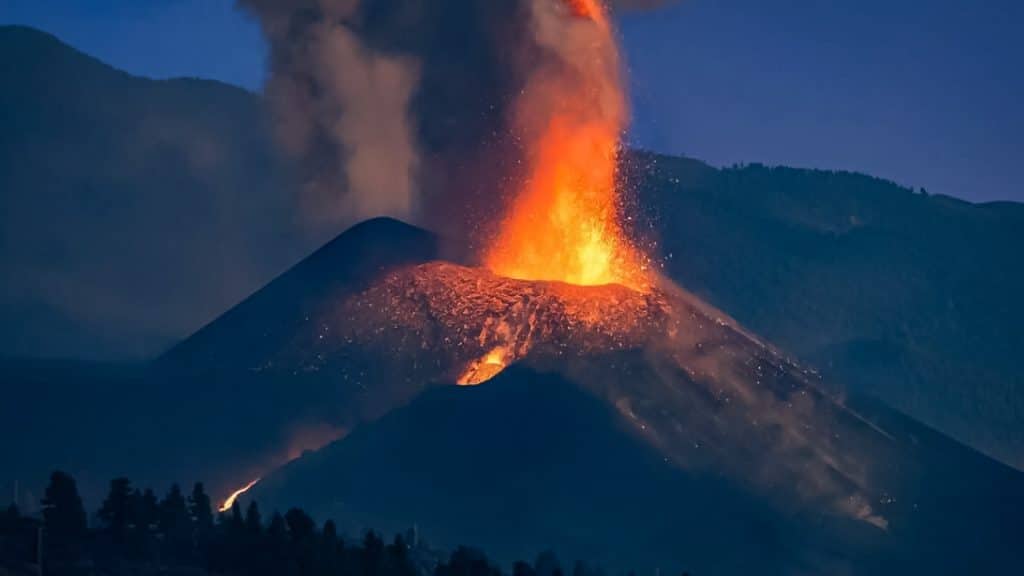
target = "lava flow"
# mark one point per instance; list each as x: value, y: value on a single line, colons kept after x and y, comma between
x: 230, y: 500
x: 564, y: 223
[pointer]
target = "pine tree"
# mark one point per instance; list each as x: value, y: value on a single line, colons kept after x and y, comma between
x: 200, y: 509
x: 64, y: 518
x: 521, y: 568
x: 253, y: 521
x: 176, y: 525
x: 398, y: 562
x: 147, y: 513
x: 115, y: 514
x: 372, y: 557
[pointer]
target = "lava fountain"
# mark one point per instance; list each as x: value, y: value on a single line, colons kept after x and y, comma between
x: 564, y: 223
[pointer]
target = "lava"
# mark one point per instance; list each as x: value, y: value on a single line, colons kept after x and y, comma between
x: 230, y: 500
x: 480, y: 322
x: 485, y: 368
x: 564, y: 222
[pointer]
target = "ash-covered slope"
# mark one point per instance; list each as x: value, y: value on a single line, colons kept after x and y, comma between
x: 220, y: 407
x: 255, y: 404
x: 530, y: 461
x: 688, y: 381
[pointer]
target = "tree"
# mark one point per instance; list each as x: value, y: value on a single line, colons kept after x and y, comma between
x: 300, y: 526
x: 547, y: 564
x: 275, y: 547
x: 64, y: 518
x: 116, y: 512
x: 200, y: 509
x: 147, y: 511
x: 331, y: 550
x: 253, y: 521
x: 521, y: 568
x: 372, y: 554
x: 9, y: 520
x: 467, y: 562
x: 175, y: 524
x: 398, y: 562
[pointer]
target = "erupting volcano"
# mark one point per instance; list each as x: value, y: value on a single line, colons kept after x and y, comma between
x: 564, y: 223
x: 566, y: 291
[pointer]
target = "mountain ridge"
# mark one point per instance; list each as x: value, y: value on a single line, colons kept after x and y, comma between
x: 889, y: 292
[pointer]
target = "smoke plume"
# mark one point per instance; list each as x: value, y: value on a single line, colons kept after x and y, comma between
x: 342, y: 109
x: 414, y: 109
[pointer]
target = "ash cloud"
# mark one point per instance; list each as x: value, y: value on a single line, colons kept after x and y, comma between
x: 405, y: 108
x: 342, y: 109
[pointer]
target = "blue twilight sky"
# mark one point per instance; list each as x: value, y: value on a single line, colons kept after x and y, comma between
x: 927, y: 93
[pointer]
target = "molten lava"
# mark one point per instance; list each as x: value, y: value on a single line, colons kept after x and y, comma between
x: 485, y: 368
x: 564, y: 223
x: 230, y: 500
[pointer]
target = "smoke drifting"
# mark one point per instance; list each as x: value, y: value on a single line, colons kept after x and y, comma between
x: 409, y: 109
x: 342, y: 109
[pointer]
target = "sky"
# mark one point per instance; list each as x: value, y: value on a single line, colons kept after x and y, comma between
x: 923, y: 93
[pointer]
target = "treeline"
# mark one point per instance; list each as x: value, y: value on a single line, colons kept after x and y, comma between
x: 136, y: 533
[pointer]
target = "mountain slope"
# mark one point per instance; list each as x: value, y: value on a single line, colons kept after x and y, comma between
x: 901, y: 295
x: 528, y: 461
x: 135, y: 211
x: 214, y: 408
x: 132, y: 211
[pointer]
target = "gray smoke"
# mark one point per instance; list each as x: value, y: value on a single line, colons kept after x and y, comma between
x: 342, y: 110
x: 400, y: 107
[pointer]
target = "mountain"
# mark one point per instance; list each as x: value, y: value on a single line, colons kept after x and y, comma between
x: 710, y: 434
x: 530, y: 461
x: 905, y: 296
x: 902, y: 295
x: 132, y: 211
x: 213, y: 408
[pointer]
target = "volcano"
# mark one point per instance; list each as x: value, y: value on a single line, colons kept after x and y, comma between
x: 373, y: 334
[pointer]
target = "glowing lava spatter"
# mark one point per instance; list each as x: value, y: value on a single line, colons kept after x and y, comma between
x: 564, y: 223
x: 230, y: 501
x: 484, y: 368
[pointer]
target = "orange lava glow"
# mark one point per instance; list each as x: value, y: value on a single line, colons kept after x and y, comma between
x: 485, y: 368
x: 591, y: 9
x: 230, y: 501
x: 564, y: 223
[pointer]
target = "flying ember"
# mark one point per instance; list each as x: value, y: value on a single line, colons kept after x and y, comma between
x: 564, y: 222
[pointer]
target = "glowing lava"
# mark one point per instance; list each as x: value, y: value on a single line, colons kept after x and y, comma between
x: 485, y: 368
x: 564, y: 223
x: 230, y: 501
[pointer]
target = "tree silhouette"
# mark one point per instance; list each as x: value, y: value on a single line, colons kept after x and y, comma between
x: 147, y: 513
x: 253, y: 521
x: 467, y: 562
x: 521, y: 568
x: 372, y: 558
x: 137, y: 535
x: 397, y: 558
x: 176, y: 524
x: 64, y: 518
x: 115, y: 514
x: 200, y: 509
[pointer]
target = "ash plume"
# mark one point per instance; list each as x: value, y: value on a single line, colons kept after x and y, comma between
x: 342, y: 109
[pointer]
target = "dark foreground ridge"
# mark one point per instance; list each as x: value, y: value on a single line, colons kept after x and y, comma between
x: 529, y: 461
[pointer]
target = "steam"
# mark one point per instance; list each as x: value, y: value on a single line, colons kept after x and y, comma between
x: 342, y: 109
